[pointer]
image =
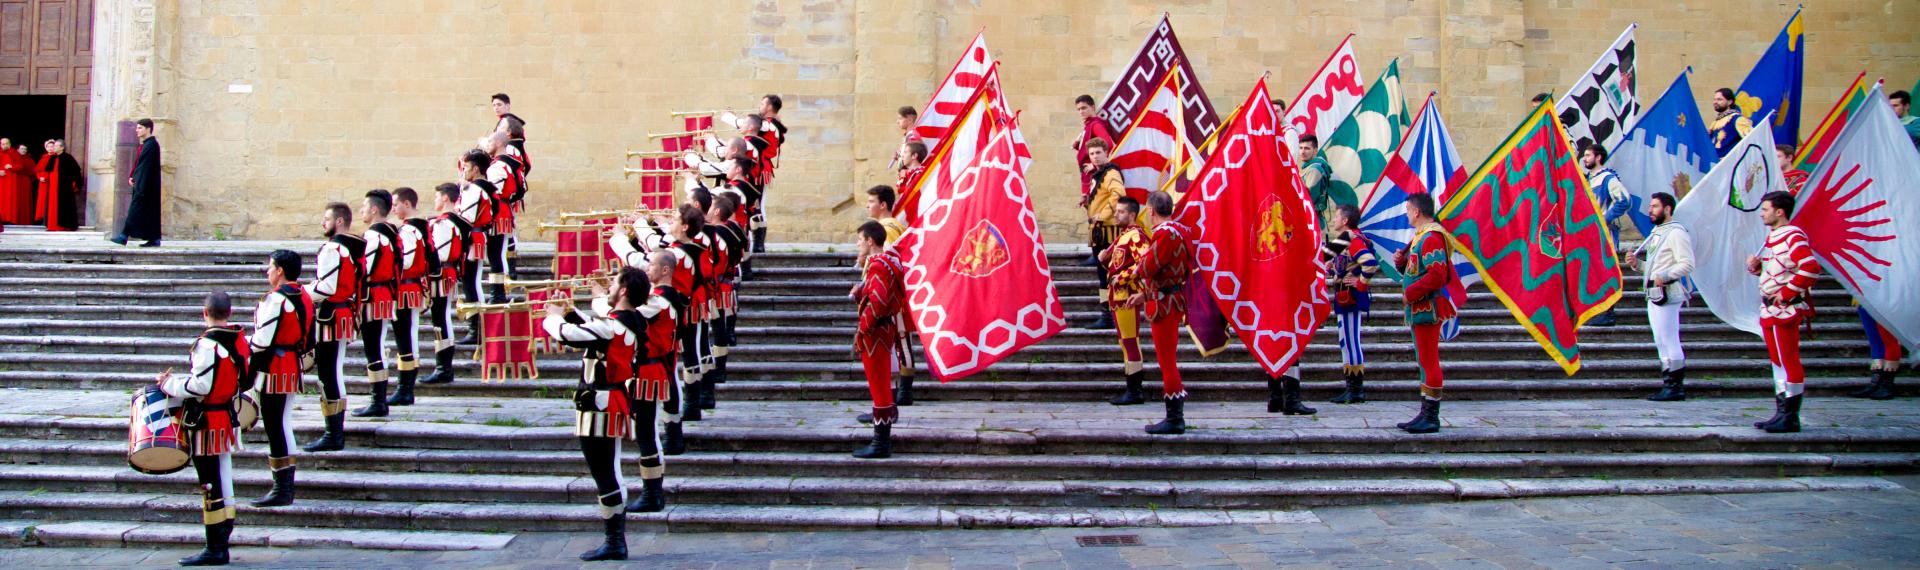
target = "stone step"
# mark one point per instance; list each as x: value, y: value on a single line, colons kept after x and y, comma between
x: 1833, y: 425
x: 1519, y: 363
x: 27, y: 452
x: 386, y: 516
x: 1086, y: 391
x: 65, y: 532
x: 1468, y: 317
x: 1386, y: 349
x: 1388, y: 328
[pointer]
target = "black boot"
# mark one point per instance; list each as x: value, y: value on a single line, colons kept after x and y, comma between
x: 652, y: 499
x: 403, y: 396
x: 719, y: 373
x: 1104, y: 321
x: 882, y: 445
x: 442, y: 368
x: 865, y: 418
x: 707, y: 400
x: 903, y: 395
x: 1276, y: 397
x: 1176, y: 422
x: 1293, y: 406
x: 377, y: 405
x: 334, y: 439
x: 690, y: 410
x: 674, y: 443
x: 1779, y: 410
x: 473, y: 331
x: 1133, y: 394
x: 496, y: 293
x: 615, y: 548
x: 1428, y: 421
x: 1873, y: 380
x: 216, y: 552
x: 1672, y: 387
x: 1356, y: 389
x: 1789, y: 421
x: 1882, y: 386
x: 282, y: 492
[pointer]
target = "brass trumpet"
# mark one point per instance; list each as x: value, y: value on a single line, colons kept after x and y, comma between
x: 573, y: 282
x: 679, y: 114
x: 654, y: 171
x: 658, y: 136
x: 545, y: 227
x: 597, y: 214
x: 652, y: 154
x: 466, y: 311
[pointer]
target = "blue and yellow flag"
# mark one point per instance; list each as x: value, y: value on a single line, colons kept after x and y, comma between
x: 1774, y: 84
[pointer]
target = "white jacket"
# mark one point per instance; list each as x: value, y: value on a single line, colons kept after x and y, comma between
x: 1667, y: 255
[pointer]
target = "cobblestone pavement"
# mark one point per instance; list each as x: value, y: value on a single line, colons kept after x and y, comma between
x: 1797, y: 530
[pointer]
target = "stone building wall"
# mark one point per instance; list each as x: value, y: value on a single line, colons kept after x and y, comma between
x: 269, y: 108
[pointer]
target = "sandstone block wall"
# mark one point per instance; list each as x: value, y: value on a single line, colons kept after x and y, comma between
x: 356, y: 94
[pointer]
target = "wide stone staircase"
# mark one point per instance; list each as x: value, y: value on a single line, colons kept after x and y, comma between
x: 1030, y: 442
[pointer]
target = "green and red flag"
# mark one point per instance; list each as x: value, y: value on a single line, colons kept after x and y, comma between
x: 1815, y: 149
x: 1527, y: 222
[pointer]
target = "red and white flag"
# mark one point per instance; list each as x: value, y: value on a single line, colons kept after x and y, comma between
x: 951, y: 99
x: 1151, y: 150
x: 1258, y: 244
x: 1328, y: 98
x: 1866, y: 181
x: 966, y: 135
x: 979, y: 287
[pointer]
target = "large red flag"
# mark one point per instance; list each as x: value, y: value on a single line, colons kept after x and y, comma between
x: 978, y: 284
x: 1258, y: 244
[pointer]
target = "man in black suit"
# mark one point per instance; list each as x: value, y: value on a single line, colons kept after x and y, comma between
x: 143, y: 212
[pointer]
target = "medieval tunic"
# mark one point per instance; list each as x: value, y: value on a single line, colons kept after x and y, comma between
x: 1428, y: 268
x: 1668, y: 253
x: 1787, y: 274
x: 1348, y: 257
x: 61, y: 185
x: 882, y: 295
x: 1123, y: 274
x: 216, y: 364
x: 1163, y: 274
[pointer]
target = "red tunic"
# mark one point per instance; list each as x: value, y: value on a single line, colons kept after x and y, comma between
x: 1164, y: 271
x: 16, y: 188
x: 1092, y: 128
x: 882, y: 295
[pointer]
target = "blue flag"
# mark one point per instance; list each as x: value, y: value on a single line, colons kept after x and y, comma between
x: 1774, y: 84
x: 1669, y: 140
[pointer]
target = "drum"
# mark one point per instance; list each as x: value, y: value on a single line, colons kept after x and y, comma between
x: 246, y: 412
x: 154, y: 440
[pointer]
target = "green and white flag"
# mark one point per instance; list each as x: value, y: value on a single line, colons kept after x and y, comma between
x: 1359, y: 149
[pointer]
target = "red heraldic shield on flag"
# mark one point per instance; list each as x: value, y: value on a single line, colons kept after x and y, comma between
x: 1258, y: 244
x: 1533, y: 230
x: 978, y: 284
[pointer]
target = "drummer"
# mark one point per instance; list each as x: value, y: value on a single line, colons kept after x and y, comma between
x: 209, y: 392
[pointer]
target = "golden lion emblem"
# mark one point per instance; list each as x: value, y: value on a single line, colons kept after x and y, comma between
x: 1273, y: 231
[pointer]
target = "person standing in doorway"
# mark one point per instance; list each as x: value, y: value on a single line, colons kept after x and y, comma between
x: 143, y: 212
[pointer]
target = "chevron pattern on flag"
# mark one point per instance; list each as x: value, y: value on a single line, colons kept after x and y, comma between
x: 1258, y: 242
x: 1533, y: 230
x: 951, y: 98
x: 1605, y: 99
x: 1848, y: 209
x: 979, y: 287
x: 1150, y: 150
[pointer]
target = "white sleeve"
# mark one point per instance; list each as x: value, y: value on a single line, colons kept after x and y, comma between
x: 201, y: 365
x: 593, y: 330
x: 470, y: 197
x: 374, y: 240
x: 655, y: 305
x: 327, y: 271
x: 497, y: 173
x: 443, y: 240
x: 629, y: 255
x: 410, y: 242
x: 1681, y: 242
x: 266, y: 320
x: 602, y: 308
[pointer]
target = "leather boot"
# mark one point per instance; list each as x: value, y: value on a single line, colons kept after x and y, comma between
x: 1779, y: 410
x: 652, y: 499
x: 1672, y: 387
x: 864, y: 418
x: 217, y: 545
x: 334, y: 439
x: 442, y: 369
x: 1104, y: 321
x: 1133, y: 394
x: 1428, y: 421
x: 1276, y: 396
x: 882, y: 445
x: 707, y: 399
x: 473, y: 331
x: 690, y: 410
x: 403, y: 396
x: 1356, y: 390
x: 377, y: 405
x: 1789, y: 421
x: 675, y: 442
x: 1176, y: 422
x: 903, y: 395
x: 719, y: 373
x: 1293, y: 406
x: 1882, y: 386
x: 496, y: 293
x: 282, y: 492
x: 615, y: 548
x: 1873, y: 381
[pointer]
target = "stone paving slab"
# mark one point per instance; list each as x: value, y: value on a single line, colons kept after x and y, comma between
x: 1800, y: 530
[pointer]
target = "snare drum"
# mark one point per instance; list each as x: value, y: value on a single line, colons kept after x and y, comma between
x: 246, y: 412
x: 154, y: 442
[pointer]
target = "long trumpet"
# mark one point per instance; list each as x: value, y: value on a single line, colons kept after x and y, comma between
x: 545, y: 227
x: 657, y: 136
x: 546, y: 283
x: 652, y: 154
x: 465, y: 311
x: 677, y: 114
x: 629, y: 172
x: 594, y: 215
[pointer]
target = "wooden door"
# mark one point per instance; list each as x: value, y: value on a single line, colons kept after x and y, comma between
x: 46, y: 48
